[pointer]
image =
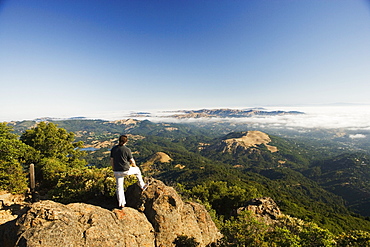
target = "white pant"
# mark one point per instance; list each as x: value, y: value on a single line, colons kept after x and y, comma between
x: 120, y: 176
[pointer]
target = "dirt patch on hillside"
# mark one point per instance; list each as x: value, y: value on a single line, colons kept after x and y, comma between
x: 157, y: 157
x: 161, y: 157
x: 125, y: 121
x: 252, y: 139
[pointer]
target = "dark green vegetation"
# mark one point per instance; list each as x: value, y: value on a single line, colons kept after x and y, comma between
x: 13, y: 153
x: 319, y: 178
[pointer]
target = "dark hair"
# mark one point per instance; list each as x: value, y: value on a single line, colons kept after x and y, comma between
x: 122, y: 140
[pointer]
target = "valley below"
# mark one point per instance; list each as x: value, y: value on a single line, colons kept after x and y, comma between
x: 319, y: 175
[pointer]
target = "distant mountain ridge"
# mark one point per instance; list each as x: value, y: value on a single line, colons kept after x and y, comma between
x: 230, y: 113
x: 42, y: 119
x: 184, y: 114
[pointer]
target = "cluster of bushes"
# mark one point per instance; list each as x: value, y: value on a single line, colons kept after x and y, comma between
x: 13, y: 155
x: 61, y: 171
x: 244, y: 229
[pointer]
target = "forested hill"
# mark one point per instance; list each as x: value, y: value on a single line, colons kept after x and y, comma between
x: 316, y: 179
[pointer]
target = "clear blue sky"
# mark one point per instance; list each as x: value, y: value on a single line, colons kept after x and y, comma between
x: 73, y: 57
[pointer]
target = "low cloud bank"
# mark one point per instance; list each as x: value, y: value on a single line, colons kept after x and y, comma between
x: 355, y: 118
x: 333, y: 117
x: 338, y: 117
x: 357, y: 136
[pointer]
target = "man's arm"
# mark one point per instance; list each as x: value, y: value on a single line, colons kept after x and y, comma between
x: 132, y: 162
x: 112, y: 163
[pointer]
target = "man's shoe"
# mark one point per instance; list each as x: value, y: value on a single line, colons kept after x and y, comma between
x: 145, y: 186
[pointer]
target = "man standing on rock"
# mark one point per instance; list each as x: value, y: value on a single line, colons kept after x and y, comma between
x: 123, y: 164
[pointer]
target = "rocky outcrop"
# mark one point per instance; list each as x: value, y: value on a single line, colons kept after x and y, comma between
x: 11, y: 206
x: 265, y: 209
x: 48, y: 223
x: 156, y: 218
x: 172, y: 217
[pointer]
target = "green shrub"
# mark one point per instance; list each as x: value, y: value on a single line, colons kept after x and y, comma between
x: 83, y: 184
x: 185, y: 241
x: 244, y: 230
x: 12, y: 177
x: 354, y: 238
x: 13, y: 156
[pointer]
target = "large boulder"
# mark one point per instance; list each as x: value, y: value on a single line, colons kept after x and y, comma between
x: 264, y: 209
x: 48, y: 223
x: 171, y: 217
x: 155, y: 217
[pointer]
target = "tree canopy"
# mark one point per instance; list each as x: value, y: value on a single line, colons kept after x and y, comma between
x: 57, y: 151
x: 13, y: 155
x: 53, y: 142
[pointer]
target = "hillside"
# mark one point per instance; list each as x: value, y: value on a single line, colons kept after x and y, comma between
x: 259, y: 163
x: 346, y: 175
x: 249, y: 140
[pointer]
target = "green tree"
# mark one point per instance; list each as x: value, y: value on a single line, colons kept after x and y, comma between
x: 313, y: 235
x: 282, y: 237
x: 222, y: 197
x: 6, y: 131
x: 244, y: 230
x: 54, y: 142
x: 290, y: 231
x: 13, y: 155
x: 57, y: 150
x: 61, y: 169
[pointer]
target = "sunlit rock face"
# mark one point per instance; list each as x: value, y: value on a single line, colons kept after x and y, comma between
x: 155, y: 217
